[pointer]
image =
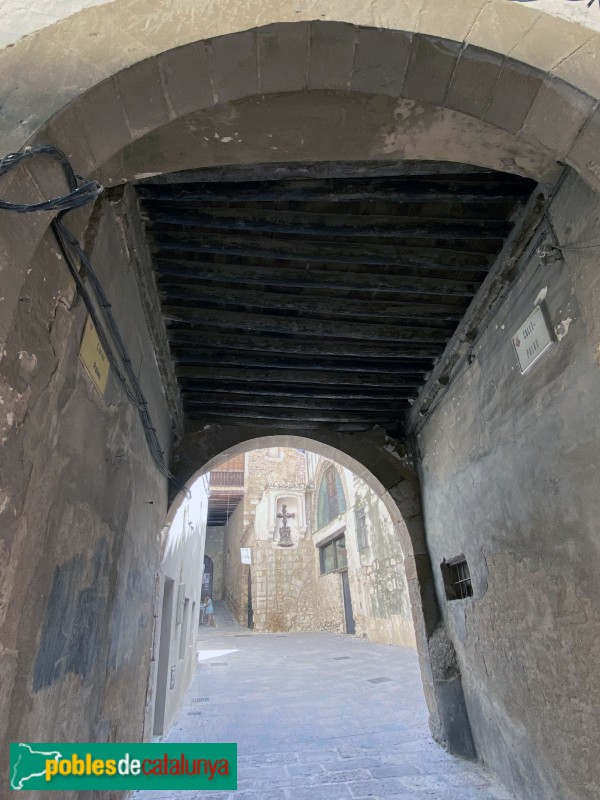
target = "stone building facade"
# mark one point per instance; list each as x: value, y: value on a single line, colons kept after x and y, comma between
x: 322, y: 558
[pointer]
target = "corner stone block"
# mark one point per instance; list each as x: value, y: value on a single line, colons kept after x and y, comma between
x: 186, y: 76
x: 416, y: 533
x: 419, y: 576
x: 381, y: 60
x: 549, y: 41
x: 283, y: 57
x: 431, y: 65
x: 501, y: 26
x: 234, y: 66
x: 584, y: 156
x: 580, y: 69
x: 406, y: 496
x: 104, y: 121
x: 448, y: 20
x: 143, y: 96
x: 557, y: 115
x: 473, y: 82
x: 517, y: 88
x: 331, y: 55
x: 65, y: 130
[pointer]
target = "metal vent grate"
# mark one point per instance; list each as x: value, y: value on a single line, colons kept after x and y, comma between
x: 340, y: 658
x: 200, y: 699
x: 457, y: 578
x: 378, y: 680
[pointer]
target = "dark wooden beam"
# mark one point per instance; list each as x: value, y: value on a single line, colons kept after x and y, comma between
x: 376, y: 226
x: 186, y: 346
x: 268, y: 395
x: 443, y: 188
x: 300, y: 414
x: 201, y: 296
x: 348, y: 253
x: 257, y: 361
x: 179, y: 316
x: 297, y: 427
x: 373, y: 408
x: 298, y: 277
x: 305, y: 377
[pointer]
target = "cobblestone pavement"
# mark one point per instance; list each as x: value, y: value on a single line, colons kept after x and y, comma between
x: 319, y: 716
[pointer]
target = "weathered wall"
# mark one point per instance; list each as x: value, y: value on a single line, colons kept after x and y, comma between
x: 283, y: 587
x: 510, y: 478
x: 182, y: 563
x: 377, y: 575
x: 214, y: 548
x: 81, y: 508
x: 378, y: 586
x: 235, y: 574
x: 288, y: 591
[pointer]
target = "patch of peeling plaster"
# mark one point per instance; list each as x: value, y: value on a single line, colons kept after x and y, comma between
x: 562, y: 328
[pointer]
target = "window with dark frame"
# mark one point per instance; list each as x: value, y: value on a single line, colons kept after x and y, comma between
x: 333, y: 555
x: 361, y: 528
x: 331, y: 500
x: 457, y: 578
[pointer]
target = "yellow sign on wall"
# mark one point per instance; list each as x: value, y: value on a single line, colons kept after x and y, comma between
x: 93, y: 357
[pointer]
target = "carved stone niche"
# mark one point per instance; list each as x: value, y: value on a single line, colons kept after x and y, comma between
x: 270, y: 526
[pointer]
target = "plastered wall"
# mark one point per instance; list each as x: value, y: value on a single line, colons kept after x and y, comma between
x: 509, y: 470
x: 81, y: 509
x: 182, y: 564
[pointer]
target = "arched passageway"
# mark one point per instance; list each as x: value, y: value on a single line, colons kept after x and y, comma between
x: 384, y: 472
x: 505, y: 460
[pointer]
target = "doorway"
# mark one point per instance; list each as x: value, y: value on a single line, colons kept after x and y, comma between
x: 348, y: 614
x: 163, y: 657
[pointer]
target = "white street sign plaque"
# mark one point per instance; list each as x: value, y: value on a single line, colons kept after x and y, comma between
x: 532, y: 339
x: 246, y: 554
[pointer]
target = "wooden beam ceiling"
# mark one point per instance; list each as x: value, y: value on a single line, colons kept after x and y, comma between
x: 308, y: 302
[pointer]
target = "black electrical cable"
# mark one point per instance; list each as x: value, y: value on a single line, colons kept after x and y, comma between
x: 82, y: 192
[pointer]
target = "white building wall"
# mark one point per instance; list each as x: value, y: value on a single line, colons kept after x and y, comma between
x: 180, y: 581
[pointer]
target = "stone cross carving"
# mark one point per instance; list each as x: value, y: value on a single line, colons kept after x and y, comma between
x: 285, y: 540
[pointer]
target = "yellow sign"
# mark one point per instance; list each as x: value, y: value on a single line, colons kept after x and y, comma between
x: 93, y: 357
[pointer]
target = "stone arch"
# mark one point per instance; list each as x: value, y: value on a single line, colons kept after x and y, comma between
x: 375, y: 459
x: 103, y: 101
x: 479, y: 88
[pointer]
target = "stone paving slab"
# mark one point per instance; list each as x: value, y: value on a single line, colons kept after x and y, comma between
x: 311, y: 726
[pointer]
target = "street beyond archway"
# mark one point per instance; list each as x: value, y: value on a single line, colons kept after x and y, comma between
x: 319, y: 716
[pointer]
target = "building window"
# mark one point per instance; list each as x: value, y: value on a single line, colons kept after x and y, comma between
x: 331, y: 500
x: 457, y: 578
x: 333, y: 555
x: 361, y: 528
x: 274, y: 452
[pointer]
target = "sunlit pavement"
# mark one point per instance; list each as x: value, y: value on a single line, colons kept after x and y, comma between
x: 319, y: 716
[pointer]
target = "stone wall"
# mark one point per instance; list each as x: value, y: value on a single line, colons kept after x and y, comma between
x: 283, y: 587
x: 235, y: 574
x: 378, y: 577
x: 214, y: 548
x: 510, y: 478
x: 376, y: 574
x: 81, y: 508
x: 288, y: 591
